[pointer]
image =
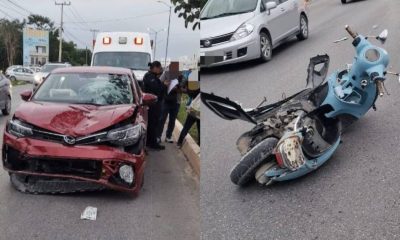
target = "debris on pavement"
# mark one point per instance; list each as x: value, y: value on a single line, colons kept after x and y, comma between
x: 89, y: 213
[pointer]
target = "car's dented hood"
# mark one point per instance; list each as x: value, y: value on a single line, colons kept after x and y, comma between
x: 217, y: 26
x: 72, y: 119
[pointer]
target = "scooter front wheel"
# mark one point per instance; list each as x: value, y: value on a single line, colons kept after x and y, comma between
x: 244, y: 171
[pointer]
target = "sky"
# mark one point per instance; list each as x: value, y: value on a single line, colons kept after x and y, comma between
x: 114, y: 15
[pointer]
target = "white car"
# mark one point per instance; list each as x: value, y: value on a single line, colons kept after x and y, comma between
x: 10, y: 68
x: 239, y: 30
x: 45, y: 71
x: 21, y: 74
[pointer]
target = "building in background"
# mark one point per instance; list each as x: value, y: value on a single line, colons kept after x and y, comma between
x: 35, y: 47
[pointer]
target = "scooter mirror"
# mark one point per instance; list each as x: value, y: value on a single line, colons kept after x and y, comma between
x: 383, y: 36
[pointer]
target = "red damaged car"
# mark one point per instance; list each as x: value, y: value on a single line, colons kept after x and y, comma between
x: 83, y: 129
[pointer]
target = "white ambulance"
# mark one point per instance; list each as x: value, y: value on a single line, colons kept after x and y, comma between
x: 131, y: 50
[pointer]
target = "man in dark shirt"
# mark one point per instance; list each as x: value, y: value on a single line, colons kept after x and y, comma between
x: 170, y: 107
x: 152, y: 84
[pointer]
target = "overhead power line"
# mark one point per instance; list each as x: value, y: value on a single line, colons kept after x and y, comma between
x: 121, y: 19
x: 6, y: 14
x: 19, y: 6
x: 12, y: 9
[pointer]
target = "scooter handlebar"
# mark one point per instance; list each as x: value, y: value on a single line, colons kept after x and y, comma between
x: 351, y: 32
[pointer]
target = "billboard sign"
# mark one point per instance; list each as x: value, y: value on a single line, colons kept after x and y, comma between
x: 35, y: 47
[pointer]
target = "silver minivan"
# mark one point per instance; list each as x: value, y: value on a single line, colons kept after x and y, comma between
x: 240, y: 30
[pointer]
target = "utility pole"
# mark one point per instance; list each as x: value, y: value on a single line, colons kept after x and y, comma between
x: 169, y: 25
x: 86, y: 56
x: 61, y: 27
x: 94, y: 31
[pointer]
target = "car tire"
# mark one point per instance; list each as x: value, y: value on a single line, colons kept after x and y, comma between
x: 303, y: 28
x: 344, y: 1
x: 265, y: 47
x: 12, y: 78
x: 244, y: 171
x: 7, y: 108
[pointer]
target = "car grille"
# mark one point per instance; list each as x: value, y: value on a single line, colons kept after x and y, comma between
x: 216, y: 40
x: 15, y: 161
x: 60, y: 138
x: 228, y: 55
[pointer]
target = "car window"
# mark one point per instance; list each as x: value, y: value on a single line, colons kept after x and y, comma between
x: 86, y: 88
x: 28, y: 71
x: 50, y: 67
x: 19, y: 70
x: 222, y: 8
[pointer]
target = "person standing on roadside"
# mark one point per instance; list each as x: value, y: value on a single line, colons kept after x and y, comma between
x: 152, y: 84
x: 170, y: 108
x: 193, y: 110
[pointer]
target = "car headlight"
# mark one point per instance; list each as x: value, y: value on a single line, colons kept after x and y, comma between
x: 125, y: 136
x: 19, y: 129
x: 243, y: 31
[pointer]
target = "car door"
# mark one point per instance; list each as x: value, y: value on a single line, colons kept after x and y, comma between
x: 19, y: 74
x: 275, y: 21
x: 289, y: 10
x: 28, y: 75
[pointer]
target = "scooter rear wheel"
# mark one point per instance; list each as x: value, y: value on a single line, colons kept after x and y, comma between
x: 244, y: 171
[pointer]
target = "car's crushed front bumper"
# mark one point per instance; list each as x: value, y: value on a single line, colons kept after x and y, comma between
x: 98, y: 164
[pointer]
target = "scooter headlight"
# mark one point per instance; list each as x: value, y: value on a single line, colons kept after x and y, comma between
x: 125, y: 136
x: 243, y: 31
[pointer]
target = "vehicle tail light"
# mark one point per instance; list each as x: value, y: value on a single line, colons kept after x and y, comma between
x: 106, y: 40
x: 138, y: 40
x: 289, y: 153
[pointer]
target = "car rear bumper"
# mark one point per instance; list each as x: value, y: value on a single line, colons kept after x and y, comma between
x: 241, y: 50
x: 96, y: 164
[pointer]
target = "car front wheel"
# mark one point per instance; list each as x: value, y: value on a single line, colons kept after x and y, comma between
x: 265, y: 47
x: 303, y: 28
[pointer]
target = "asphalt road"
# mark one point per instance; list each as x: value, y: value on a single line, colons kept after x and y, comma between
x: 356, y: 195
x: 166, y: 209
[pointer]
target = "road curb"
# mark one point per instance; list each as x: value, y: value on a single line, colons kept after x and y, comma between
x: 189, y: 148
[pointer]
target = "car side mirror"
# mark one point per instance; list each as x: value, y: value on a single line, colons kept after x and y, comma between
x: 26, y: 95
x: 148, y: 99
x: 269, y: 6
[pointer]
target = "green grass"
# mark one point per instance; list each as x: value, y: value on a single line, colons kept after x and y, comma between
x: 182, y: 117
x: 18, y: 82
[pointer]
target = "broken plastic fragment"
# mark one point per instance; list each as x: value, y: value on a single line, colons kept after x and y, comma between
x: 89, y: 213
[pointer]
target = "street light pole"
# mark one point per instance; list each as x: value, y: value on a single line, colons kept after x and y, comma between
x: 169, y: 25
x: 155, y: 38
x: 94, y: 31
x: 61, y: 28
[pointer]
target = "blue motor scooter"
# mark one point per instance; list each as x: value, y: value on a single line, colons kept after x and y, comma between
x: 300, y: 133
